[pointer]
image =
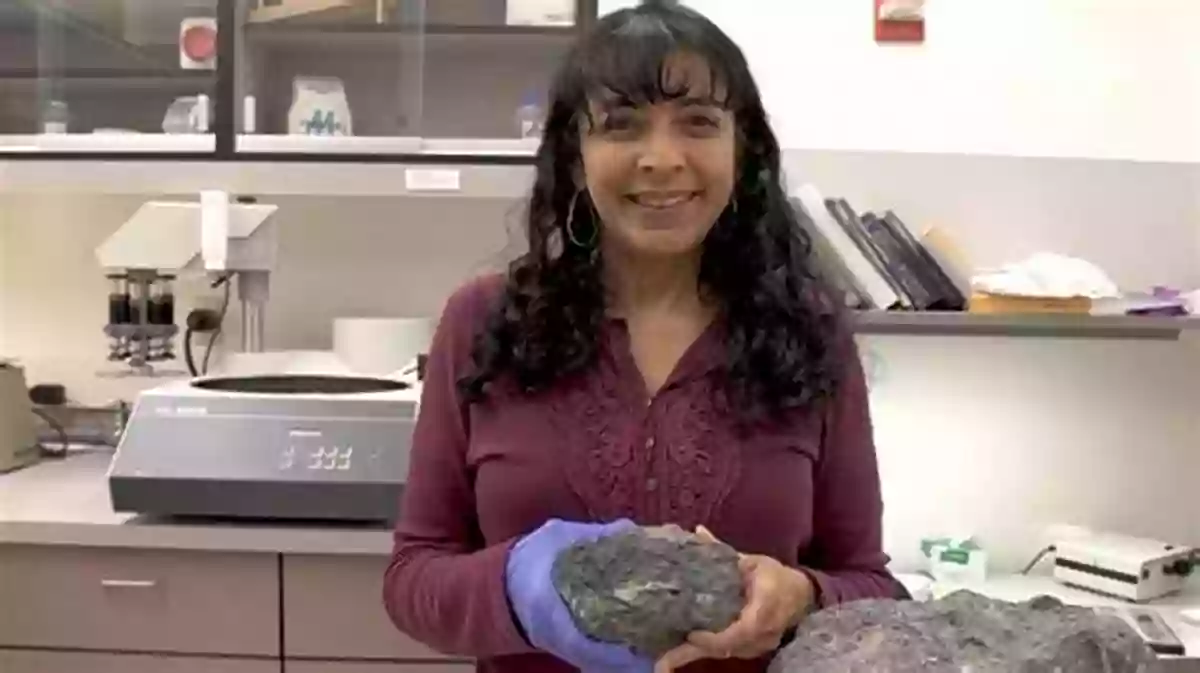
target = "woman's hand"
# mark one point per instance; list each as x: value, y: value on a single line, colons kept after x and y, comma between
x: 777, y: 597
x: 543, y: 615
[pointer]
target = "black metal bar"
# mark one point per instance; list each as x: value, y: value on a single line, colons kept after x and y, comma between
x: 586, y: 12
x: 225, y: 118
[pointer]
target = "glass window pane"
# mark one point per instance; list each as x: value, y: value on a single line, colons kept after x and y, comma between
x: 107, y: 75
x: 389, y: 76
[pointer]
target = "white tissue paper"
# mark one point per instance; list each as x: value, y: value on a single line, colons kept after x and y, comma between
x: 1047, y: 275
x: 1191, y: 301
x: 902, y: 10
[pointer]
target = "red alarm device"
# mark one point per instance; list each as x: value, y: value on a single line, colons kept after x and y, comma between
x: 198, y: 43
x: 899, y: 20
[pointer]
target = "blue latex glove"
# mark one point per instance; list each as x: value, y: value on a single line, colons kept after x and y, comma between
x: 543, y: 614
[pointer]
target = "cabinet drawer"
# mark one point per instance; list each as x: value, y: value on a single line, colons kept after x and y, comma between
x: 33, y: 661
x: 333, y: 608
x: 139, y: 600
x: 375, y: 667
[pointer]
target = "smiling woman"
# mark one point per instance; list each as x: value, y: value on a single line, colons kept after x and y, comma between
x: 662, y: 354
x: 663, y: 201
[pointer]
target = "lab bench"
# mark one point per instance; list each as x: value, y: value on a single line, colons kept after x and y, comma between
x: 102, y: 591
x: 108, y: 592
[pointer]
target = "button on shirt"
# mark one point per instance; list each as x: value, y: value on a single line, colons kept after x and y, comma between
x: 804, y: 490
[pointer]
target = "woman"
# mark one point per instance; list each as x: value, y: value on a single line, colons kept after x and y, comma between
x: 662, y: 354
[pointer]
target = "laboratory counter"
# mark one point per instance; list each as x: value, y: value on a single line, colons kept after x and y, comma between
x: 117, y: 593
x: 103, y: 591
x: 66, y: 502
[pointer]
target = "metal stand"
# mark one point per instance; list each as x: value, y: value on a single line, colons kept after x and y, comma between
x: 253, y: 290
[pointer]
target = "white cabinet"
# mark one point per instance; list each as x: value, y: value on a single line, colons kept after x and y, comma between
x: 375, y: 667
x: 333, y: 610
x: 139, y: 600
x: 35, y: 661
x: 173, y: 611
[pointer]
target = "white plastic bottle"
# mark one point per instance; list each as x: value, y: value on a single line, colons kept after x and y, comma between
x: 55, y: 117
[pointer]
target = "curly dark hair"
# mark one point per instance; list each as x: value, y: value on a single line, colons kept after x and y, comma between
x: 779, y: 319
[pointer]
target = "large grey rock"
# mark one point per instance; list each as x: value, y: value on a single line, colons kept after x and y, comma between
x: 963, y: 633
x: 649, y: 588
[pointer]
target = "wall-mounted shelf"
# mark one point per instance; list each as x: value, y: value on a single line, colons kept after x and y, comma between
x: 369, y: 145
x: 273, y: 31
x: 107, y: 74
x: 1079, y: 326
x: 314, y: 148
x: 103, y: 143
x: 422, y: 176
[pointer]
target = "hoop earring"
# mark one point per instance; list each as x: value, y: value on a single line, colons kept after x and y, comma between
x: 570, y: 227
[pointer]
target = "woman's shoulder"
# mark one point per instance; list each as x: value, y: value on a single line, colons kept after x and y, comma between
x: 482, y: 290
x: 467, y: 309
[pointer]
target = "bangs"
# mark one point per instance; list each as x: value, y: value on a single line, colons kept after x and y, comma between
x: 645, y: 59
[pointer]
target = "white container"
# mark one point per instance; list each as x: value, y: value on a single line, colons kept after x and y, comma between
x: 380, y: 346
x: 540, y: 12
x: 319, y: 108
x: 55, y: 118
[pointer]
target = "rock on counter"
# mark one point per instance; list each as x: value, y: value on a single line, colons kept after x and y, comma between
x: 963, y: 632
x: 647, y: 590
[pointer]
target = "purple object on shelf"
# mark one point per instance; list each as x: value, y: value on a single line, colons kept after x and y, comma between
x: 1175, y: 310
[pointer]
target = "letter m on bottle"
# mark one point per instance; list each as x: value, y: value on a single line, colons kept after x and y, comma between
x: 321, y: 123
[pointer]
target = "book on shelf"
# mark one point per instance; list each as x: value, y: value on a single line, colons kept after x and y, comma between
x: 876, y: 261
x: 845, y: 264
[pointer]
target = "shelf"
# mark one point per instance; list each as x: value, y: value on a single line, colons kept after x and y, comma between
x: 367, y: 29
x: 325, y: 145
x: 500, y: 152
x: 425, y: 176
x: 102, y: 143
x: 316, y: 12
x: 119, y: 82
x: 393, y: 35
x: 368, y: 146
x: 1024, y: 325
x: 106, y: 74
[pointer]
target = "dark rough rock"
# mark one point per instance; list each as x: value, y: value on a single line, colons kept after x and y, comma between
x: 649, y: 588
x: 963, y: 633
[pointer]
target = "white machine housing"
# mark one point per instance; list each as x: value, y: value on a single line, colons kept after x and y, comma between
x: 1134, y: 569
x: 240, y: 450
x: 211, y: 234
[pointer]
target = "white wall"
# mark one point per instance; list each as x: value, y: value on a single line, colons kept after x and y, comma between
x: 1063, y: 78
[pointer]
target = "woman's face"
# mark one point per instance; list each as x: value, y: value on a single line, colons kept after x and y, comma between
x: 661, y: 174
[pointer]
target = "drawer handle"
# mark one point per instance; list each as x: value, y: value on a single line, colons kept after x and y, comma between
x: 128, y: 584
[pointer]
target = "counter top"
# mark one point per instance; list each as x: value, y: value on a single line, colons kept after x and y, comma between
x: 66, y: 502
